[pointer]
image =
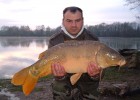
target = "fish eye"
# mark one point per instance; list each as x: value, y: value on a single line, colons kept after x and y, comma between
x: 111, y: 56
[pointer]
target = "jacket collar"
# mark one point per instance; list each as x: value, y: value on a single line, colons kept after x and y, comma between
x: 71, y: 36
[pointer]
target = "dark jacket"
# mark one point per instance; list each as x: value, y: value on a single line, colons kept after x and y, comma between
x: 61, y: 37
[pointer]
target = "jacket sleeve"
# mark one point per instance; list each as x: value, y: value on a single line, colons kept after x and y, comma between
x: 50, y: 44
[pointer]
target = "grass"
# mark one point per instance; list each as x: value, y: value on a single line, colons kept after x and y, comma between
x: 122, y: 74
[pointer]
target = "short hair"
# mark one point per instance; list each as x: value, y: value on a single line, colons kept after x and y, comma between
x: 72, y: 9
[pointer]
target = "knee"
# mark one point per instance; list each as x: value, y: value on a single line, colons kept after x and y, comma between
x: 61, y: 86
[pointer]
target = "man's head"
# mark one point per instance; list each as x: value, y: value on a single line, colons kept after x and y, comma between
x: 73, y: 19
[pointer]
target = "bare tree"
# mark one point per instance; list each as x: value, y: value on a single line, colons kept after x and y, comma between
x: 135, y: 4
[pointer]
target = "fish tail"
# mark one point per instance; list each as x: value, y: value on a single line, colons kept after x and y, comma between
x: 20, y: 77
x: 29, y: 84
x: 25, y: 79
x: 31, y: 79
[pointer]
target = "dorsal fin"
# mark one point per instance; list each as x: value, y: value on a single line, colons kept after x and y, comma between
x: 41, y: 55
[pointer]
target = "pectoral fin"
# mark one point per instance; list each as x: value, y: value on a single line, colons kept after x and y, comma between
x: 74, y: 78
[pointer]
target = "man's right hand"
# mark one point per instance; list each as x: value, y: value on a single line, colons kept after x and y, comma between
x: 58, y: 70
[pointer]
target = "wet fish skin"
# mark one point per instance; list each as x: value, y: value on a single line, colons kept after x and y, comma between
x: 74, y: 56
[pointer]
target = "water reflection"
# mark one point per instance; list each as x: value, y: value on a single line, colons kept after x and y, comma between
x: 17, y: 53
x: 121, y: 43
x: 23, y: 41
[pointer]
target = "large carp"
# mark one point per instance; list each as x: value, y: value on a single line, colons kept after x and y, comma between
x: 74, y: 56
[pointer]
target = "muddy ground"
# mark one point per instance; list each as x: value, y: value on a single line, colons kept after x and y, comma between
x: 42, y: 91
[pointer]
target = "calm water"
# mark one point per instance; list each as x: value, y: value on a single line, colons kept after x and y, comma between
x: 17, y: 53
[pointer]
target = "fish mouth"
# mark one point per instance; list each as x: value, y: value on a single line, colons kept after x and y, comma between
x: 122, y: 62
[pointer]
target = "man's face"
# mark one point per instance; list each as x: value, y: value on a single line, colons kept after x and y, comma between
x: 73, y: 22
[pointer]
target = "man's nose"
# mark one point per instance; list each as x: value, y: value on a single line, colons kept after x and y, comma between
x: 73, y: 23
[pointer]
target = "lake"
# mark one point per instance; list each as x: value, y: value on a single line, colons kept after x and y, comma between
x: 19, y: 52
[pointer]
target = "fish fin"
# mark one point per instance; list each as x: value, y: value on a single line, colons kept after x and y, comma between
x: 31, y: 80
x: 41, y: 55
x: 20, y: 77
x: 67, y: 41
x: 25, y: 79
x: 29, y: 84
x: 74, y: 78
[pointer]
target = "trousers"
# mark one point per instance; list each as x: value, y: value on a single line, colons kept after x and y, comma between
x: 82, y: 90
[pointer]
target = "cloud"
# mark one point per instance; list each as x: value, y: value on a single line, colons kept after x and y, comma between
x: 6, y: 1
x: 41, y: 12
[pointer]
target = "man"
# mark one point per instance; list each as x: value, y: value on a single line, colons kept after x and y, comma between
x: 86, y: 87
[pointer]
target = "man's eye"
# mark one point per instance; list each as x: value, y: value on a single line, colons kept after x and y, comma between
x: 78, y: 20
x: 69, y: 21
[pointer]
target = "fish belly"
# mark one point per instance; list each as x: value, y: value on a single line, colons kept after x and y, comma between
x: 73, y: 65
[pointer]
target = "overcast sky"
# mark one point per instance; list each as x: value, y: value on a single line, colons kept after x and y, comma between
x: 49, y: 12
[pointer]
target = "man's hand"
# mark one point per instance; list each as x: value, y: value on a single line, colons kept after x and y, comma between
x: 58, y: 70
x: 93, y: 69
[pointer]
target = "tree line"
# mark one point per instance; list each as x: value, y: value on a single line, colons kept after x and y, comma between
x: 116, y: 29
